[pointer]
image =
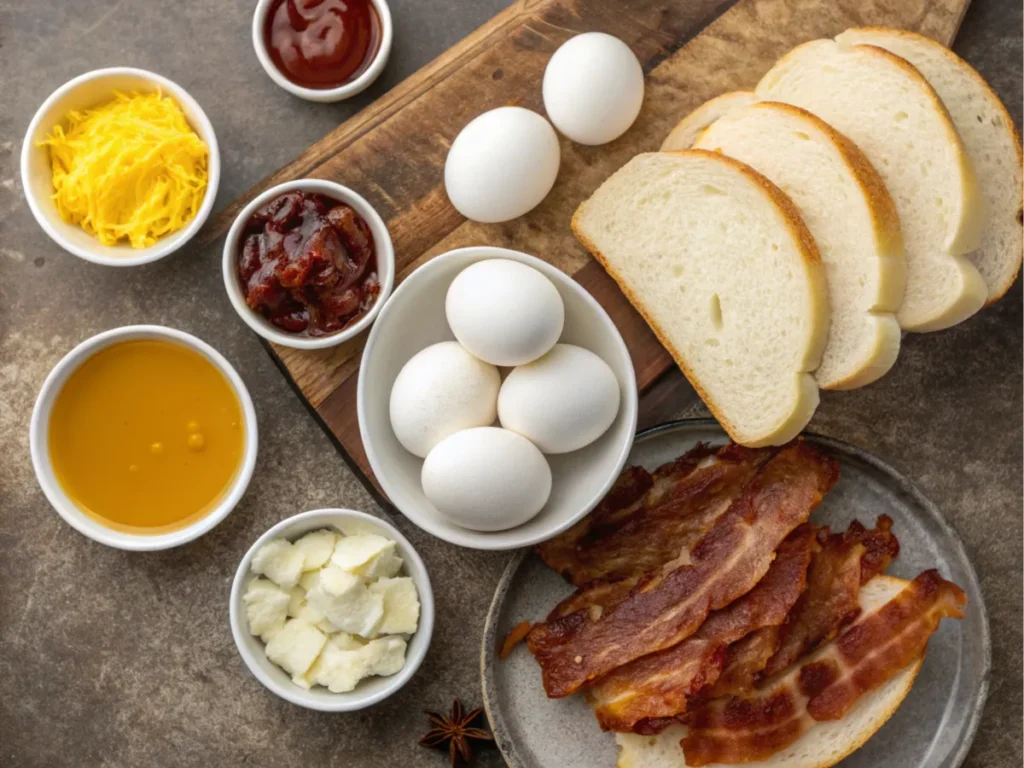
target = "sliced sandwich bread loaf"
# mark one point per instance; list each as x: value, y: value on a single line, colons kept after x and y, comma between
x: 886, y: 107
x: 988, y: 133
x: 853, y: 220
x: 723, y: 269
x: 685, y: 134
x: 825, y: 744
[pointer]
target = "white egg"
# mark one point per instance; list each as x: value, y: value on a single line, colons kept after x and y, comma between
x: 441, y: 390
x: 487, y: 479
x: 504, y: 312
x: 501, y: 165
x: 562, y: 402
x: 593, y: 88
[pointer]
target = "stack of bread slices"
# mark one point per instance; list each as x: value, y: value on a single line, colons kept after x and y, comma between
x: 785, y: 237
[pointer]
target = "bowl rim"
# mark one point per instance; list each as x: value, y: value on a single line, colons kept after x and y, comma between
x: 323, y: 95
x: 483, y: 540
x: 79, y: 520
x: 353, y: 700
x: 385, y: 263
x: 162, y: 248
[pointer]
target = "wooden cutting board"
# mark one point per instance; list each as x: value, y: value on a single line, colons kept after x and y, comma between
x: 393, y: 152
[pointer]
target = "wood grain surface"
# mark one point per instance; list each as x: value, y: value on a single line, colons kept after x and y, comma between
x: 393, y: 152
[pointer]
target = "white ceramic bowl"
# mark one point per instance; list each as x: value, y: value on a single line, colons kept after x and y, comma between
x: 413, y: 319
x: 90, y: 90
x: 40, y: 449
x: 372, y: 689
x: 360, y: 84
x: 381, y: 240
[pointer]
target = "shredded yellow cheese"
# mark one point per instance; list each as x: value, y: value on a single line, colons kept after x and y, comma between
x: 132, y: 168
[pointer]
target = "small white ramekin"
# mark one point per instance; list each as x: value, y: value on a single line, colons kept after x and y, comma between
x: 372, y: 689
x: 91, y: 90
x: 40, y: 449
x: 360, y: 84
x: 382, y: 243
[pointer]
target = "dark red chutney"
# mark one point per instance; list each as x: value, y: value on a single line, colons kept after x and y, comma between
x: 308, y: 264
x: 322, y: 43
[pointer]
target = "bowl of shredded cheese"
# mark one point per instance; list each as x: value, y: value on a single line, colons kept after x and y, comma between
x: 120, y: 166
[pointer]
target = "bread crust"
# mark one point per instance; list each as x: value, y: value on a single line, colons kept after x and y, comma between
x: 811, y: 258
x: 997, y: 292
x: 687, y: 130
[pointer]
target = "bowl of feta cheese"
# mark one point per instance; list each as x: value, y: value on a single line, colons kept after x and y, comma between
x: 332, y: 610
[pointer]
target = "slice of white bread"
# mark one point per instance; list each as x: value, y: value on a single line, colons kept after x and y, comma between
x: 886, y: 107
x: 685, y: 134
x: 825, y: 744
x: 988, y: 133
x: 719, y: 263
x: 845, y: 205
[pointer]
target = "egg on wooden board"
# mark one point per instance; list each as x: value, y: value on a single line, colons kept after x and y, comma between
x: 593, y: 88
x: 561, y: 402
x: 441, y: 390
x: 487, y: 479
x: 504, y: 312
x: 501, y: 165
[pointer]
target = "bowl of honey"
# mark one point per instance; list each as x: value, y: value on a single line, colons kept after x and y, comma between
x: 322, y: 50
x: 143, y: 437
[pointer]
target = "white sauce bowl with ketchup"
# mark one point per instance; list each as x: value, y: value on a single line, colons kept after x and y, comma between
x: 362, y: 77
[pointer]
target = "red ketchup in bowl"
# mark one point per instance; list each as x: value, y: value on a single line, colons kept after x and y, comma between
x: 322, y: 43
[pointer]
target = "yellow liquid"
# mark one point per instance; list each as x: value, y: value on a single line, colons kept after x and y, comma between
x: 146, y: 436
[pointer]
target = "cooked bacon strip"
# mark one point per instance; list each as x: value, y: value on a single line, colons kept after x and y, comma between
x: 828, y: 683
x: 623, y: 500
x: 668, y: 606
x: 658, y: 685
x: 646, y: 521
x: 810, y: 622
x: 685, y: 501
x: 846, y: 561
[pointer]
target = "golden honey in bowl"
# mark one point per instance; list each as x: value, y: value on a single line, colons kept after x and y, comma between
x: 146, y: 436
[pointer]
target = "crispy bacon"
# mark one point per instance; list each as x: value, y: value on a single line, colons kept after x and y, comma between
x: 658, y: 685
x: 744, y: 662
x: 827, y: 685
x: 846, y: 561
x: 645, y: 521
x: 622, y: 501
x: 686, y: 497
x: 668, y: 606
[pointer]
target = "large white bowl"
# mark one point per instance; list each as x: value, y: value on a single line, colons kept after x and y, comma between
x: 381, y: 240
x: 413, y: 319
x: 372, y: 689
x: 40, y: 447
x: 91, y: 90
x: 360, y: 84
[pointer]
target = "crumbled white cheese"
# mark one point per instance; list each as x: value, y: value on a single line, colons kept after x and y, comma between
x: 280, y: 562
x: 401, y: 605
x: 316, y: 548
x: 266, y: 607
x: 296, y: 646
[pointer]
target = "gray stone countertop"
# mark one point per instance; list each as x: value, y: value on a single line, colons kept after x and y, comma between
x: 117, y: 659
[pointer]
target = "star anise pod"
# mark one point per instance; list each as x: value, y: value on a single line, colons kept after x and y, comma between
x: 456, y: 731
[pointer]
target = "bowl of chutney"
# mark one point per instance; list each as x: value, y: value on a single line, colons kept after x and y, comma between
x: 322, y: 50
x: 143, y: 437
x: 308, y: 264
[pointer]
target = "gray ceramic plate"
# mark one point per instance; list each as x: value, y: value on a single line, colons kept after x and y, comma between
x: 932, y: 729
